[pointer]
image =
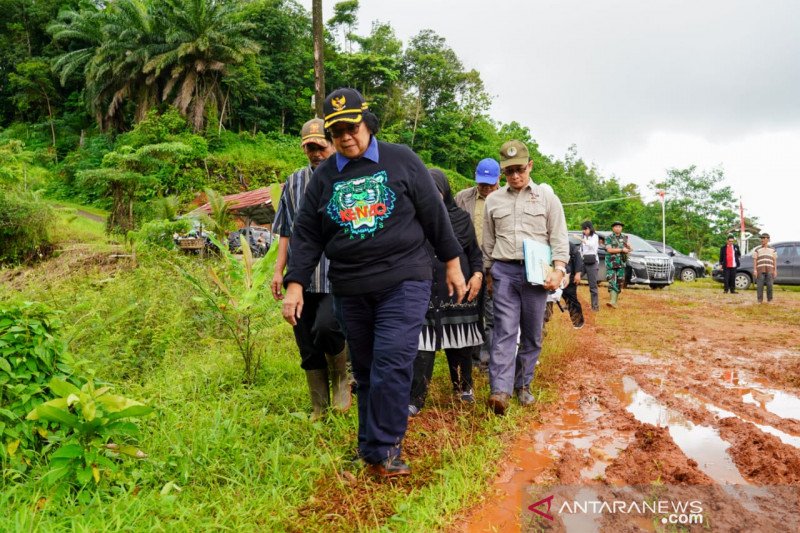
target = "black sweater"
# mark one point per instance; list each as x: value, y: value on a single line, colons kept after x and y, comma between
x: 372, y: 221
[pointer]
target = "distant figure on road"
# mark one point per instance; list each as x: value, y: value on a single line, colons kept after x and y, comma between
x: 617, y: 250
x: 765, y: 268
x: 590, y: 242
x: 729, y: 261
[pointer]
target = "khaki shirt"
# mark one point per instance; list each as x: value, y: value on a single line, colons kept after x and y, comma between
x: 511, y: 216
x: 473, y: 203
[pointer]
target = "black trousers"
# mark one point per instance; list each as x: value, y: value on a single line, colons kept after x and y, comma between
x: 570, y: 296
x: 458, y: 359
x: 729, y: 279
x: 317, y: 331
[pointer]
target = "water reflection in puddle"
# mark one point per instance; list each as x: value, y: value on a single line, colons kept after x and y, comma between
x: 701, y: 443
x: 757, y: 392
x: 722, y: 413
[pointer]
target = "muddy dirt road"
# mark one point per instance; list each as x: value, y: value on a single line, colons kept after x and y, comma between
x: 687, y: 399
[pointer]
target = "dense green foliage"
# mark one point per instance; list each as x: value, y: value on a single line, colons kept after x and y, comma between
x: 31, y: 353
x: 126, y: 102
x: 25, y: 226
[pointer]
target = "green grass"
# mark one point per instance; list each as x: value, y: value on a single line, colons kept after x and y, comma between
x: 223, y: 456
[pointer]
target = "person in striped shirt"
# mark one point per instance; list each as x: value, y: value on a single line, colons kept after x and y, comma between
x: 765, y: 268
x: 318, y: 335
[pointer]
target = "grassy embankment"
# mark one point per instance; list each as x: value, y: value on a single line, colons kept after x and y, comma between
x: 226, y: 456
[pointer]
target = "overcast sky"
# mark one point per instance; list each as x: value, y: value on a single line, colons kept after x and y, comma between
x: 638, y: 86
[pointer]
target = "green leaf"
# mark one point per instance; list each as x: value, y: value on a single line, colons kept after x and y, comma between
x: 68, y: 451
x: 84, y: 475
x: 133, y: 411
x: 58, y: 403
x: 53, y: 414
x: 4, y: 365
x: 63, y: 388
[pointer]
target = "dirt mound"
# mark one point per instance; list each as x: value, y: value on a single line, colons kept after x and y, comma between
x: 653, y: 456
x: 762, y: 458
x: 67, y: 263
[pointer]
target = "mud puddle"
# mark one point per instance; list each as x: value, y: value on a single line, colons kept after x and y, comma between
x: 700, y: 443
x: 757, y: 391
x: 573, y: 446
x: 721, y: 413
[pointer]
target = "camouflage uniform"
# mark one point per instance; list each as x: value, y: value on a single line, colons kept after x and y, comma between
x: 615, y: 263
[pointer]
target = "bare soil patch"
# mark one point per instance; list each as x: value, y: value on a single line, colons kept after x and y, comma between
x: 685, y: 388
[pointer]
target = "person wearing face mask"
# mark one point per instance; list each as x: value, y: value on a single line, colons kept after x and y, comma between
x: 451, y: 326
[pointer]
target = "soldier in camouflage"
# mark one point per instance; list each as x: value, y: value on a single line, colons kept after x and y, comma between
x: 617, y: 250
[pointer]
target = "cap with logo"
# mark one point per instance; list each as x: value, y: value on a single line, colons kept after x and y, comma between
x: 765, y: 235
x: 487, y: 171
x: 313, y: 132
x: 513, y: 153
x: 617, y: 223
x: 343, y: 105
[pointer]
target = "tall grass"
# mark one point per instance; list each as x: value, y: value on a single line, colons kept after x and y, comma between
x: 223, y: 456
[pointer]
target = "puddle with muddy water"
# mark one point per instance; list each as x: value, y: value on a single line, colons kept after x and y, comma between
x: 785, y: 438
x: 701, y: 443
x: 756, y: 391
x: 538, y: 451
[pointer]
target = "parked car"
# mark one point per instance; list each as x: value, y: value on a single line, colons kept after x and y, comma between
x: 686, y: 268
x: 646, y: 265
x: 788, y: 266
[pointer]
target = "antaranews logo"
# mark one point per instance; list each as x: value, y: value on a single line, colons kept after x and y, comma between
x: 671, y: 512
x: 535, y: 507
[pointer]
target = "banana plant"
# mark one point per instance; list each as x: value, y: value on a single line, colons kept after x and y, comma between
x: 234, y: 290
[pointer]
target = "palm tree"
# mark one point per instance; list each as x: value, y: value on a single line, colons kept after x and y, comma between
x: 111, y: 47
x: 202, y: 38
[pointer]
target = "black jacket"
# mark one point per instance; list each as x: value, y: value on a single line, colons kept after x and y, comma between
x: 372, y: 221
x: 736, y: 255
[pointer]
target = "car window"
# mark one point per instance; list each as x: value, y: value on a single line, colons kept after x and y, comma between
x: 639, y: 244
x: 786, y: 252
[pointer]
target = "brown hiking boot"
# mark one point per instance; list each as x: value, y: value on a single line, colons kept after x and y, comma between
x: 524, y: 397
x: 392, y: 467
x: 499, y: 402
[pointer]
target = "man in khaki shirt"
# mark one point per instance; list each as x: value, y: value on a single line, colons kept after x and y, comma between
x: 473, y: 201
x: 518, y: 211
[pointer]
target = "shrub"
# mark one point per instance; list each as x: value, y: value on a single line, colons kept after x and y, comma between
x: 25, y: 222
x: 95, y: 432
x: 159, y: 233
x: 30, y: 356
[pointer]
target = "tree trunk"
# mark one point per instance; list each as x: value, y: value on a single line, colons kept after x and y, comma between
x: 222, y: 111
x: 52, y: 126
x: 416, y: 119
x: 319, y: 52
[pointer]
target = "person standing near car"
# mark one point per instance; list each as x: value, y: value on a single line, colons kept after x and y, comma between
x: 765, y: 268
x: 729, y: 260
x: 591, y: 260
x: 318, y: 335
x: 518, y: 211
x: 372, y: 207
x: 617, y: 250
x: 473, y: 201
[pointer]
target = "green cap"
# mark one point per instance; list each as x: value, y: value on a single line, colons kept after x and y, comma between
x: 513, y: 153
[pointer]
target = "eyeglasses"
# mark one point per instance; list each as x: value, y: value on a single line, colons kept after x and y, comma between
x: 350, y: 129
x: 519, y: 169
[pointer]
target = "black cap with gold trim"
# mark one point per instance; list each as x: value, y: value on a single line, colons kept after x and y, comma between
x: 343, y: 105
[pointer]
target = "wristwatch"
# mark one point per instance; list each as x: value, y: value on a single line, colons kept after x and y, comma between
x: 562, y: 269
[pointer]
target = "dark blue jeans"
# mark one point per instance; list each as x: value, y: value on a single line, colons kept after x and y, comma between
x: 382, y: 331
